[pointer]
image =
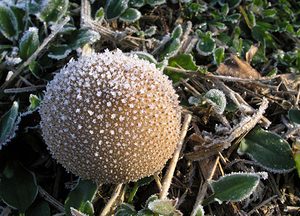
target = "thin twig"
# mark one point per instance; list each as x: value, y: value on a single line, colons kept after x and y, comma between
x: 191, y: 88
x: 291, y: 132
x: 298, y: 96
x: 247, y: 124
x: 202, y: 190
x: 214, y: 168
x: 188, y: 29
x: 109, y: 205
x: 170, y: 172
x: 112, y: 36
x: 180, y: 70
x: 85, y: 18
x: 24, y: 89
x: 261, y: 204
x: 26, y: 81
x: 35, y: 54
x: 85, y: 12
x: 292, y: 209
x: 200, y: 197
x: 51, y: 200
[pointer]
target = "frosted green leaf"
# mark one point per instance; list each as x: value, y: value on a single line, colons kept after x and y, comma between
x: 225, y: 9
x: 82, y: 37
x: 206, y: 44
x: 18, y: 187
x: 269, y: 12
x: 269, y: 150
x: 233, y: 3
x: 34, y: 68
x: 29, y: 43
x: 219, y: 55
x: 53, y: 10
x: 219, y: 25
x: 171, y: 48
x: 164, y: 207
x: 75, y: 212
x: 88, y: 208
x: 252, y: 19
x: 150, y: 31
x: 136, y: 3
x: 199, y: 211
x: 185, y: 61
x: 146, y: 56
x: 59, y: 51
x: 38, y: 209
x: 8, y: 124
x: 126, y: 210
x: 177, y: 32
x: 8, y: 23
x: 297, y: 161
x: 19, y: 14
x: 145, y: 212
x: 114, y: 8
x: 217, y: 99
x: 34, y: 102
x: 194, y: 101
x: 66, y: 29
x: 78, y: 198
x: 33, y: 6
x: 150, y: 199
x: 155, y: 2
x: 130, y: 15
x: 99, y: 14
x: 234, y: 187
x: 233, y: 18
x: 294, y: 115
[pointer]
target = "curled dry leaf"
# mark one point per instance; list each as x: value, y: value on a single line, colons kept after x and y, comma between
x: 239, y: 68
x: 251, y: 53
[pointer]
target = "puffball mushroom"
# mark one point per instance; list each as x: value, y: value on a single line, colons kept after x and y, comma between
x: 111, y: 117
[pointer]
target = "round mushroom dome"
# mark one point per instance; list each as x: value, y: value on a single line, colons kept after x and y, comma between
x: 111, y: 117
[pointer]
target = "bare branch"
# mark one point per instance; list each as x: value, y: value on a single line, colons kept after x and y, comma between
x: 108, y: 207
x: 170, y: 172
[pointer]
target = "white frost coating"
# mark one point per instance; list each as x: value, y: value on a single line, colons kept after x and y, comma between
x: 33, y: 29
x: 121, y: 111
x: 90, y: 112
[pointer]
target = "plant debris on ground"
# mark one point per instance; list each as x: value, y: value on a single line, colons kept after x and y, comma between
x: 235, y: 65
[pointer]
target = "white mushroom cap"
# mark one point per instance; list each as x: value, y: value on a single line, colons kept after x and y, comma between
x: 111, y: 117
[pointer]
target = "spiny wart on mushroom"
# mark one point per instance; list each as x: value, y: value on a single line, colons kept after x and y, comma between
x: 111, y: 117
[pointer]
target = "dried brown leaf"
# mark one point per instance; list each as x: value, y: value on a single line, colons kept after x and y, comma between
x: 240, y: 69
x: 251, y: 53
x: 196, y: 138
x: 202, y: 152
